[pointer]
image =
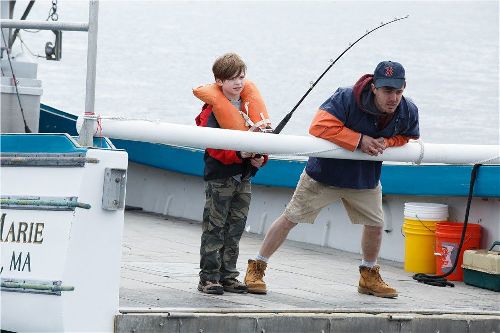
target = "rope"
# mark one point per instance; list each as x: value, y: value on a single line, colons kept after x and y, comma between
x: 488, y: 160
x: 421, y: 156
x: 24, y: 45
x: 99, y: 129
x: 307, y: 153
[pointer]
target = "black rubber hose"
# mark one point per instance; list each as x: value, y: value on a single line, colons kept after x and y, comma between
x: 440, y: 280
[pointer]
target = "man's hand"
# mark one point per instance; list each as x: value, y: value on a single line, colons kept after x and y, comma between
x: 257, y: 161
x: 372, y: 146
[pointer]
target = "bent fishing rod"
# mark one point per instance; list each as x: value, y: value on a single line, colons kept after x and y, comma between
x: 285, y: 120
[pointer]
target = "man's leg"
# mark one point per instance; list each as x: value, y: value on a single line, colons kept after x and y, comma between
x: 307, y: 201
x: 365, y: 207
x: 276, y: 235
x: 370, y: 242
x: 370, y: 281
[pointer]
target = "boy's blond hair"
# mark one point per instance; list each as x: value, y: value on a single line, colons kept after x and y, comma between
x: 228, y: 66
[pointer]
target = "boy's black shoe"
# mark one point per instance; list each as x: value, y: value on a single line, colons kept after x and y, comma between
x: 210, y: 287
x: 234, y: 286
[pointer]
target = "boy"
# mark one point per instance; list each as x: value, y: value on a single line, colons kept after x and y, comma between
x: 227, y: 176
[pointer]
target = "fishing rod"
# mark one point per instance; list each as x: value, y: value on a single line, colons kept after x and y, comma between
x: 285, y: 120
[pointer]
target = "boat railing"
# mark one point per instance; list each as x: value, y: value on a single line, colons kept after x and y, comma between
x: 44, y: 25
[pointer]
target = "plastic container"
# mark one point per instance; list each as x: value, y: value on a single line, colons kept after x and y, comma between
x: 482, y: 268
x: 30, y: 91
x: 448, y: 236
x: 419, y: 227
x: 426, y: 211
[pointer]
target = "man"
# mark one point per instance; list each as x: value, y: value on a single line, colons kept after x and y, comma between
x: 370, y: 116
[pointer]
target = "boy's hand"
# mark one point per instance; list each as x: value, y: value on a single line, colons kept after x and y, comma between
x: 245, y: 154
x: 372, y: 146
x: 257, y: 161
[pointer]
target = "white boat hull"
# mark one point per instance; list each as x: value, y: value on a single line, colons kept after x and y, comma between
x: 178, y: 195
x: 79, y: 248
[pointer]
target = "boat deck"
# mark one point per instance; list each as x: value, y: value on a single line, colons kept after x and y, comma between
x: 159, y: 280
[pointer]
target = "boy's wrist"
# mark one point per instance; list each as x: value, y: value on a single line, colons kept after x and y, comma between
x: 244, y: 154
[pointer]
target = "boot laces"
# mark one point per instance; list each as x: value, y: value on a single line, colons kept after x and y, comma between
x: 258, y: 270
x: 376, y: 272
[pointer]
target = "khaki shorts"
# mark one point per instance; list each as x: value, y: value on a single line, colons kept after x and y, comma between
x: 363, y: 206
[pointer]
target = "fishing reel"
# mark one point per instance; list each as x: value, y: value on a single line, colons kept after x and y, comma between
x: 53, y: 51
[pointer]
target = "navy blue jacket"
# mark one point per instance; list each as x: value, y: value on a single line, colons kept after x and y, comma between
x: 355, y: 109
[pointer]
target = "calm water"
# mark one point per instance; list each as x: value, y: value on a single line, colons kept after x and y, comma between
x: 151, y: 53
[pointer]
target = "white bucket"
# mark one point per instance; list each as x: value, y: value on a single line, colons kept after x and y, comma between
x: 426, y: 211
x: 420, y: 219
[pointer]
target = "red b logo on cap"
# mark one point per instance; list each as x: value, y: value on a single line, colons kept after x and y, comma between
x: 389, y: 71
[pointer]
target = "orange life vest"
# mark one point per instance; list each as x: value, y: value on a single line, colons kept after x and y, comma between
x: 252, y: 116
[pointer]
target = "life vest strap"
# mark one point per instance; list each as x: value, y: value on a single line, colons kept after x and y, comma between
x: 264, y: 125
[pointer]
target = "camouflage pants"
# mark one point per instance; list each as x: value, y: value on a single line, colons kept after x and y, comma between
x: 224, y: 219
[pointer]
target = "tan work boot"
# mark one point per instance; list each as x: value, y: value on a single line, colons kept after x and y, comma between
x: 254, y: 277
x: 371, y: 283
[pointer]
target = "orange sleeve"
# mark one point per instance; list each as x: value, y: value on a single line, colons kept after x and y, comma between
x: 397, y: 141
x: 326, y: 126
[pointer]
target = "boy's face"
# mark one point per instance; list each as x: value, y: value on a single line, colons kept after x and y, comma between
x: 232, y: 88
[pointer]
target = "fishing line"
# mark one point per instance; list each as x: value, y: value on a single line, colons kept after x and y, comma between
x: 285, y: 120
x: 313, y: 152
x: 26, y: 128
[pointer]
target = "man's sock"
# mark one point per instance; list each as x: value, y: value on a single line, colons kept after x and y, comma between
x: 368, y: 264
x: 262, y: 258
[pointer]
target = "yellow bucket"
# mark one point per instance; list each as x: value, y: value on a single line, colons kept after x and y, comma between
x: 419, y: 230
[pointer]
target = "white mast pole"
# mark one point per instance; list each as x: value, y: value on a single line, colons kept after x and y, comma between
x: 89, y: 126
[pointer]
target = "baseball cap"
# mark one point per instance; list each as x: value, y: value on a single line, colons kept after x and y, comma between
x: 389, y: 74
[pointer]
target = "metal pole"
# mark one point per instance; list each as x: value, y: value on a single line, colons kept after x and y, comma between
x: 6, y: 10
x: 25, y: 14
x: 89, y: 126
x: 44, y: 25
x: 91, y: 56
